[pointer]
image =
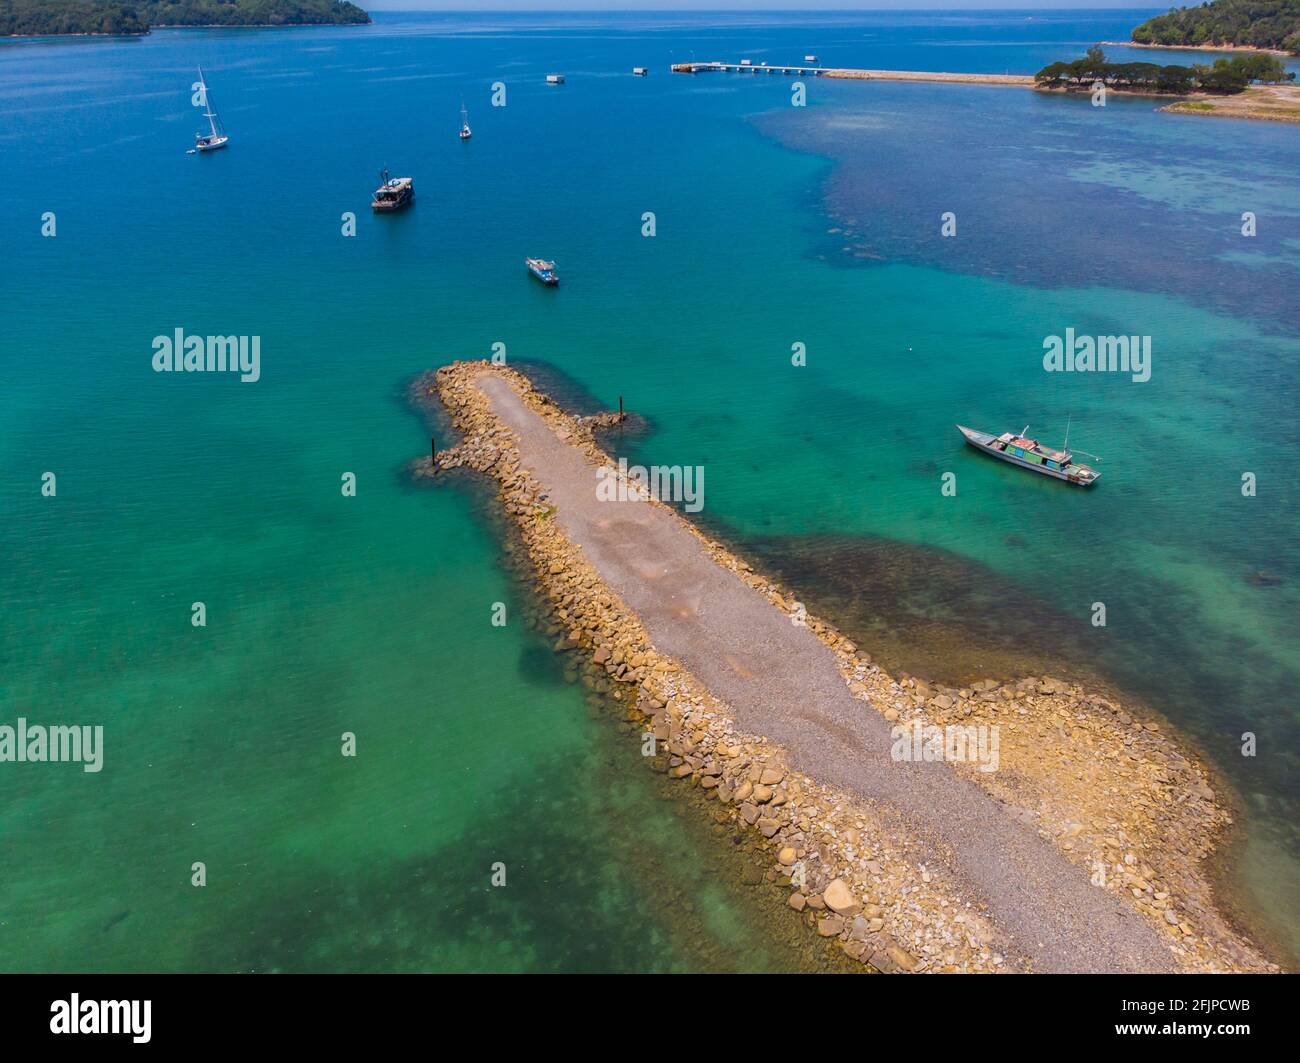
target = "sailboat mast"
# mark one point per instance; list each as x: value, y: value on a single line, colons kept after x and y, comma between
x: 211, y: 112
x: 1066, y: 444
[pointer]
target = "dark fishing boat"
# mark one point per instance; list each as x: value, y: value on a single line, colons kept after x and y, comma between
x: 1030, y: 454
x: 393, y: 193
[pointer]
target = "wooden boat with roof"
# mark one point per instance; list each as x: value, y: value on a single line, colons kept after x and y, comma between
x: 1030, y: 454
x: 393, y: 193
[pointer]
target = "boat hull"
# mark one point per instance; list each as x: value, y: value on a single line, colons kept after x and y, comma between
x: 212, y: 145
x: 983, y: 442
x: 391, y: 206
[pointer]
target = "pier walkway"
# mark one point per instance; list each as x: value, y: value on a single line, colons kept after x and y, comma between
x: 1016, y: 80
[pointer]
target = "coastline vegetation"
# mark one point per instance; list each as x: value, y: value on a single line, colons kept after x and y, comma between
x: 1224, y: 76
x: 39, y: 18
x: 1271, y: 24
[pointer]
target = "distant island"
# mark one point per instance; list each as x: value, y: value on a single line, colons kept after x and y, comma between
x: 40, y: 18
x: 1265, y: 24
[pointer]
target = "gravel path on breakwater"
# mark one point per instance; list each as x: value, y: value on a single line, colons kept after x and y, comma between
x: 1018, y: 80
x: 781, y: 681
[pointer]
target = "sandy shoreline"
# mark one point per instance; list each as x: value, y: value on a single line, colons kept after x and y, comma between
x: 1198, y: 48
x: 784, y: 724
x: 49, y: 36
x: 254, y: 25
x: 196, y: 26
x: 1268, y: 103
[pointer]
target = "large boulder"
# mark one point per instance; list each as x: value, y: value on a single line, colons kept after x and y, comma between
x: 839, y: 898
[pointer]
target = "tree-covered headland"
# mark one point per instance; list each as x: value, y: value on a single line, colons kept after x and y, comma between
x: 39, y: 18
x: 1253, y: 23
x: 1222, y: 76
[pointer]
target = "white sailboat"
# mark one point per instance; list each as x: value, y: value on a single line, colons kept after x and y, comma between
x: 465, y: 133
x: 216, y: 137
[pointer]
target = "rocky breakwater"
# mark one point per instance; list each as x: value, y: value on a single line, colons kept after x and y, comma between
x: 1014, y: 80
x: 1111, y: 794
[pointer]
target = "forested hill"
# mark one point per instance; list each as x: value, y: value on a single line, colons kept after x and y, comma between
x: 1257, y: 23
x: 32, y: 18
x: 250, y: 12
x: 39, y: 18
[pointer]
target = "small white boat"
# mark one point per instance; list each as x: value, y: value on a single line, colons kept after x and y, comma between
x: 640, y: 71
x: 216, y: 137
x: 810, y: 59
x: 465, y: 133
x: 555, y: 79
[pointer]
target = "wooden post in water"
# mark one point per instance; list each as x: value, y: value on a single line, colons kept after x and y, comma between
x: 620, y: 409
x: 433, y: 456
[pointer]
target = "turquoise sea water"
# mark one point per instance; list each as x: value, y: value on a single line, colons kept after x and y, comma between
x: 775, y: 225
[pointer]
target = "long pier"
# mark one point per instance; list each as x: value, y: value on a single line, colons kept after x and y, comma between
x: 1017, y: 80
x: 748, y: 68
